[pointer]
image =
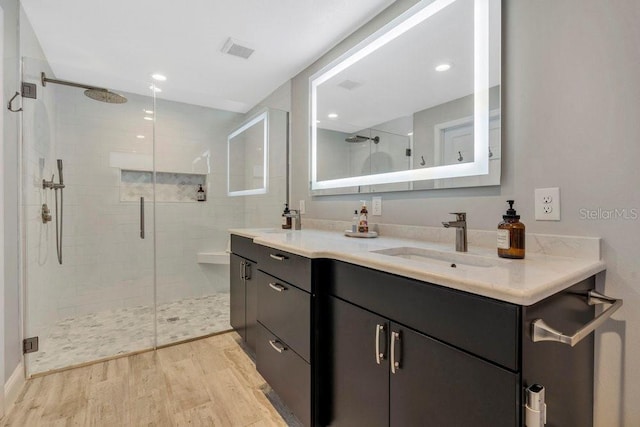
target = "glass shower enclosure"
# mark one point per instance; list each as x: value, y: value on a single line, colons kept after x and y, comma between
x: 123, y: 272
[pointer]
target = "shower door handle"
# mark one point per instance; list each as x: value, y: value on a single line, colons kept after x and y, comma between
x: 142, y: 217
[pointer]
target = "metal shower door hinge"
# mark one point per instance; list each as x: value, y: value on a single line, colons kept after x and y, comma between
x: 29, y: 90
x: 30, y: 345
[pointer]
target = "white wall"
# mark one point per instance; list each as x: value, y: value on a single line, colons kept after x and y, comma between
x: 2, y: 375
x: 11, y: 347
x: 570, y: 119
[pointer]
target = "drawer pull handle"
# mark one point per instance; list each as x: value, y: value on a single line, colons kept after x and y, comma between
x: 278, y: 257
x: 277, y: 287
x: 379, y: 355
x: 395, y: 359
x: 540, y: 331
x: 276, y: 347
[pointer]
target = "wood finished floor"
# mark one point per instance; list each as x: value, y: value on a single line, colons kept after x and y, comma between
x: 208, y: 382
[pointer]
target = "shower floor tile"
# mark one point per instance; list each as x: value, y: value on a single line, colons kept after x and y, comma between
x: 104, y: 334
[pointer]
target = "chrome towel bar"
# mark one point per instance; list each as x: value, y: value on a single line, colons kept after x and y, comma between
x: 540, y: 331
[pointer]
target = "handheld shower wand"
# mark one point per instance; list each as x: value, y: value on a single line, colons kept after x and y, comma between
x: 55, y: 187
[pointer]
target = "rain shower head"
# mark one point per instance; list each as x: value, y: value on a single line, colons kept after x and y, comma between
x: 104, y: 95
x: 360, y: 138
x: 96, y: 93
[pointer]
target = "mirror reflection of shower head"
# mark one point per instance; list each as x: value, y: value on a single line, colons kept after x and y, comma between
x: 93, y: 92
x: 360, y: 138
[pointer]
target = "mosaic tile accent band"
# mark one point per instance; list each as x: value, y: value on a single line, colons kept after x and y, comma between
x: 170, y: 187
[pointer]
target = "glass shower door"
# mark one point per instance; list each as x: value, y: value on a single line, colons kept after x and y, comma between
x: 192, y: 225
x: 87, y: 191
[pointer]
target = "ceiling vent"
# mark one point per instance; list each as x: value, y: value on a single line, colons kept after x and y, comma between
x: 349, y: 84
x: 233, y: 47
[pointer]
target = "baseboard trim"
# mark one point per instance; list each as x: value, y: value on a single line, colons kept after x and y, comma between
x: 13, y: 387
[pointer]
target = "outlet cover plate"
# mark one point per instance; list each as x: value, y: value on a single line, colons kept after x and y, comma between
x: 302, y: 207
x: 547, y: 204
x: 376, y: 206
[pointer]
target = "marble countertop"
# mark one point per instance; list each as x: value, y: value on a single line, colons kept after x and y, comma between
x: 522, y: 282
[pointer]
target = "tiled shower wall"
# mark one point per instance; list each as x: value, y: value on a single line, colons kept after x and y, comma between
x: 106, y: 264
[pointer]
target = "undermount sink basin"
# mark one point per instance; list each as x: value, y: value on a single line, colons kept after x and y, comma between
x: 451, y: 259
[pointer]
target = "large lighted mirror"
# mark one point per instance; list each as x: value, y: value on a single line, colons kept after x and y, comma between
x: 247, y: 154
x: 416, y: 105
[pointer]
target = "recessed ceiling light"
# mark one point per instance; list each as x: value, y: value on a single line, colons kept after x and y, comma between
x: 148, y: 111
x: 159, y: 77
x: 148, y: 118
x: 332, y: 115
x: 410, y: 134
x: 140, y: 136
x: 443, y: 67
x: 155, y: 88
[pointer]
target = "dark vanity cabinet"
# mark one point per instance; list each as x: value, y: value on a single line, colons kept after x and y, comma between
x: 387, y: 370
x: 387, y: 374
x: 243, y: 289
x: 284, y: 348
x: 401, y: 352
x: 346, y: 345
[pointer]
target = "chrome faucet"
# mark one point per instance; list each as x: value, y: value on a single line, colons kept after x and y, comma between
x: 460, y: 225
x: 295, y: 216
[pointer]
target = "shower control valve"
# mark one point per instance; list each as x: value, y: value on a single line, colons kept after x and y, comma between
x: 46, y: 213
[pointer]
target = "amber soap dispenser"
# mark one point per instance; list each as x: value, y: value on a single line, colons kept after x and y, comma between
x: 511, y: 235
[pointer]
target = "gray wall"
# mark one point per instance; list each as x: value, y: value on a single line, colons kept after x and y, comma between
x: 571, y: 103
x: 11, y: 309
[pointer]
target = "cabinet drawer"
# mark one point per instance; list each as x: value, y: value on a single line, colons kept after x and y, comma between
x: 479, y: 325
x: 244, y: 247
x: 286, y: 372
x: 285, y: 311
x: 286, y: 266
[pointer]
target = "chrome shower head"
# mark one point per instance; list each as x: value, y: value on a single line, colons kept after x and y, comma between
x: 104, y: 95
x: 96, y: 93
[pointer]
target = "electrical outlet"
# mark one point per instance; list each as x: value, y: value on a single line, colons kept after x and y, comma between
x: 376, y: 206
x: 547, y: 204
x: 302, y: 208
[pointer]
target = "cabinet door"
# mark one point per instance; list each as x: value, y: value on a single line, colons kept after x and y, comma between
x: 251, y: 307
x: 438, y: 385
x: 238, y: 295
x: 360, y: 385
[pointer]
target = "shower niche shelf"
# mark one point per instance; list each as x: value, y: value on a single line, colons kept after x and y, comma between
x: 170, y: 186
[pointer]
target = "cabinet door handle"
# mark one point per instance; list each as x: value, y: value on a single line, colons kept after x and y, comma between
x: 379, y: 354
x: 242, y: 264
x: 142, y: 217
x: 277, y: 287
x: 278, y: 257
x: 247, y: 271
x: 395, y: 358
x: 279, y: 348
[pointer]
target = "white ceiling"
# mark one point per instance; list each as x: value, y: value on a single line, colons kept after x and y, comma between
x: 118, y: 44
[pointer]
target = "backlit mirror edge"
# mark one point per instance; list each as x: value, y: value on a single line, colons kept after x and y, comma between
x: 413, y: 16
x: 260, y: 116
